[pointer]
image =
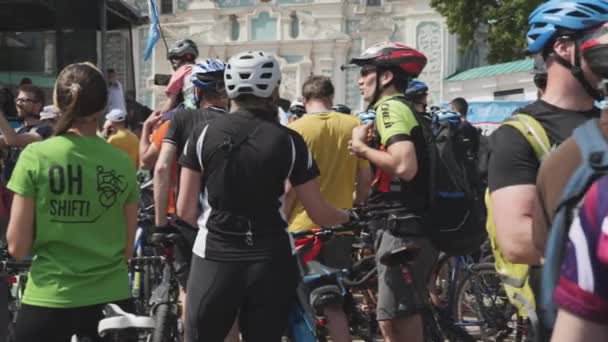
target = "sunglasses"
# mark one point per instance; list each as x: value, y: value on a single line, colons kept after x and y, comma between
x: 367, y: 70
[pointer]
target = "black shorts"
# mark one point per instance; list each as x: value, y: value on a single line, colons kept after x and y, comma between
x: 399, y: 297
x: 35, y: 323
x: 260, y: 293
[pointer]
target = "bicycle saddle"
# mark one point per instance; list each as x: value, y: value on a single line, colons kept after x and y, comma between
x: 165, y: 239
x: 118, y: 320
x: 401, y: 255
x: 315, y: 267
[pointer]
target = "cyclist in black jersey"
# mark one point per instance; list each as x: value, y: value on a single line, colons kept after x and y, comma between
x: 237, y: 166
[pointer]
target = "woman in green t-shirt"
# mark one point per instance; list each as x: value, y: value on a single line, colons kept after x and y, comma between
x: 74, y: 211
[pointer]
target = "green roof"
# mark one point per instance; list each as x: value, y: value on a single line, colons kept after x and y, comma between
x: 523, y: 65
x: 39, y: 79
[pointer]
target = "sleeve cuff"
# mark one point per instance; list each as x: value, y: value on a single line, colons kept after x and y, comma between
x: 397, y: 138
x: 20, y: 190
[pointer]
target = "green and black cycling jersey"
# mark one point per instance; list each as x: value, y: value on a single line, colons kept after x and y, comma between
x: 396, y: 122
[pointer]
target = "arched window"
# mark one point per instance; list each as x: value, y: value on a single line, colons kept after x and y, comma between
x: 294, y: 25
x: 264, y: 27
x: 235, y: 27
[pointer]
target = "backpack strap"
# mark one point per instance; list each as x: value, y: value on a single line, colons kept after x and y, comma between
x: 234, y: 141
x: 594, y: 163
x: 533, y: 131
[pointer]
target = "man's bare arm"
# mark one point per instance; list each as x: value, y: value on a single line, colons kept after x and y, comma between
x: 513, y: 208
x: 162, y: 176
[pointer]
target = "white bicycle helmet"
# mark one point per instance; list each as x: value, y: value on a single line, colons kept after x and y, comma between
x: 252, y: 72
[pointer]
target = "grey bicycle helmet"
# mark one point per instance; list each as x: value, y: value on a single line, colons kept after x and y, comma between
x: 183, y: 49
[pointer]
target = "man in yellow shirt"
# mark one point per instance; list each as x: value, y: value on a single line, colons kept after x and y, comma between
x: 121, y: 137
x: 345, y: 180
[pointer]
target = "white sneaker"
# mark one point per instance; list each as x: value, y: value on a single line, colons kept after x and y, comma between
x: 117, y: 319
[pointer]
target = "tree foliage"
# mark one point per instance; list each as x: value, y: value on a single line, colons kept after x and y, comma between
x: 505, y: 21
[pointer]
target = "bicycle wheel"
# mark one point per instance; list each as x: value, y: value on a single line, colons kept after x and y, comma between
x: 165, y: 324
x: 439, y: 285
x: 483, y: 309
x: 361, y: 306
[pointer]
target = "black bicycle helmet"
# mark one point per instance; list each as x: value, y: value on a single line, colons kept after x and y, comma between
x: 340, y: 108
x: 183, y: 49
x: 297, y: 108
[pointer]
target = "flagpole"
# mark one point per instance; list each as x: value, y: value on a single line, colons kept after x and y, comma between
x: 162, y: 35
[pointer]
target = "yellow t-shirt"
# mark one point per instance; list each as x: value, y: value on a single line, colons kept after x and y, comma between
x: 327, y: 136
x: 128, y: 142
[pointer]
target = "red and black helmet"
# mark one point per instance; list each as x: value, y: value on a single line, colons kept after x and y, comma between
x: 391, y: 55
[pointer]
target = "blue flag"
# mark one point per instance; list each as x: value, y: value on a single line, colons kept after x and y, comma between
x: 154, y: 32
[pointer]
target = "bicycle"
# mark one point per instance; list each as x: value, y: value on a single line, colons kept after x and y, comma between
x: 144, y: 276
x: 15, y: 274
x: 481, y: 301
x: 330, y: 286
x: 164, y: 300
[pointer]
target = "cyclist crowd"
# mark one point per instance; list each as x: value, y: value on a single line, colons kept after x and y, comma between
x: 244, y: 172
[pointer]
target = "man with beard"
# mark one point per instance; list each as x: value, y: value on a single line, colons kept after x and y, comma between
x: 30, y: 101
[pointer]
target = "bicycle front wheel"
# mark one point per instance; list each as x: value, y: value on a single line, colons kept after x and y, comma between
x: 165, y: 324
x: 483, y: 309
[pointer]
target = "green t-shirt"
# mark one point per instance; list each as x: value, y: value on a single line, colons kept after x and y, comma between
x: 395, y: 122
x: 80, y: 186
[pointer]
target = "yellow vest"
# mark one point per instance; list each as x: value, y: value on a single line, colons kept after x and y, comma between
x: 515, y: 277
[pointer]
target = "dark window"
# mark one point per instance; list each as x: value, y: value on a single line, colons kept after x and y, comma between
x: 235, y: 28
x: 511, y: 94
x: 166, y: 6
x: 294, y: 27
x: 373, y: 2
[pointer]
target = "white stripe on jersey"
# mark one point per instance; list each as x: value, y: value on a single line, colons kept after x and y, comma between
x: 200, y: 244
x: 199, y: 146
x: 584, y: 271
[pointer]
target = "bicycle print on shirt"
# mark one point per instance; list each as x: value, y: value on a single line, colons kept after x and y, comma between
x: 74, y: 204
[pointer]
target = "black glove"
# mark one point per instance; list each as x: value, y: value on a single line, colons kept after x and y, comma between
x: 166, y: 229
x: 354, y: 214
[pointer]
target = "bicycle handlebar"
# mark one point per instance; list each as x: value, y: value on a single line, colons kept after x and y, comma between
x: 345, y: 228
x: 18, y: 266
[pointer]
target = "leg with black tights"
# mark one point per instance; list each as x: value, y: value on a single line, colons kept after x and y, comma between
x: 271, y: 288
x: 35, y: 323
x: 214, y: 295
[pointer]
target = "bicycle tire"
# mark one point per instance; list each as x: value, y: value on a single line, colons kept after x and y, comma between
x: 165, y: 324
x: 432, y: 328
x: 498, y: 320
x: 361, y: 310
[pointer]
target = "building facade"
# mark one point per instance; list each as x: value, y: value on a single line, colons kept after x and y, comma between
x: 499, y: 82
x: 307, y: 36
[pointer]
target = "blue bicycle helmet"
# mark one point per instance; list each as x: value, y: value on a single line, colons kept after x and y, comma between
x: 548, y: 19
x: 208, y: 73
x: 415, y: 88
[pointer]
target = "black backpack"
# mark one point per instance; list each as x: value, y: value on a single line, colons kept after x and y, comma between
x: 456, y: 216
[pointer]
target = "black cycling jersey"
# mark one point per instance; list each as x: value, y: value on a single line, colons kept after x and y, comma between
x: 184, y: 121
x: 512, y: 160
x: 243, y: 185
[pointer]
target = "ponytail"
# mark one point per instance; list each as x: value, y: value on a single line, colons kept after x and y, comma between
x: 80, y: 91
x: 68, y: 113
